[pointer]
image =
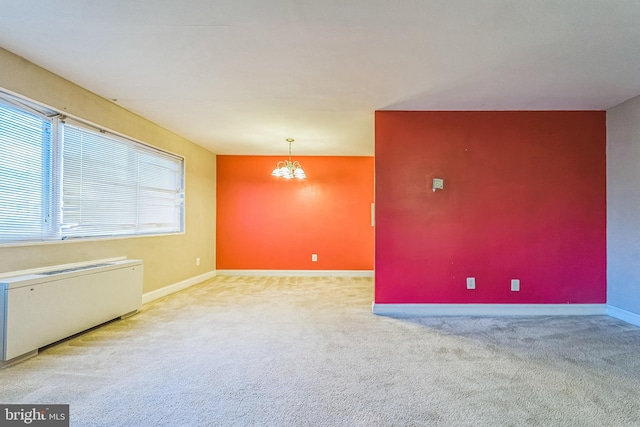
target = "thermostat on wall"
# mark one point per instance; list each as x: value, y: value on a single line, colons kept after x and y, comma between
x: 438, y: 184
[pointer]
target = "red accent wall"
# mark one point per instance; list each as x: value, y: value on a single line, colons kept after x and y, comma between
x: 267, y: 223
x: 524, y: 198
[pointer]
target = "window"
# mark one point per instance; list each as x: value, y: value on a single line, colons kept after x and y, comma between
x: 62, y: 179
x: 25, y: 174
x: 111, y: 186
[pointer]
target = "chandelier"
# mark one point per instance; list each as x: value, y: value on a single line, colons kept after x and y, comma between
x: 288, y: 169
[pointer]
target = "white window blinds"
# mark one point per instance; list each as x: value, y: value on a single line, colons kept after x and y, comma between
x: 112, y: 186
x: 25, y: 175
x: 70, y: 180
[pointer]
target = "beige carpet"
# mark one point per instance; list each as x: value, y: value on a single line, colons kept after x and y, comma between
x: 308, y: 352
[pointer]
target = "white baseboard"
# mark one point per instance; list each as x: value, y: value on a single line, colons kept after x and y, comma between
x: 298, y: 273
x: 624, y: 315
x: 162, y: 292
x: 407, y: 310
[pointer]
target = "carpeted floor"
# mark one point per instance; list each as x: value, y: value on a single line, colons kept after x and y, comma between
x: 308, y: 352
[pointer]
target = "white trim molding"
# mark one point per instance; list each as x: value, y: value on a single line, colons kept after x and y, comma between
x: 408, y: 310
x: 298, y: 273
x: 169, y: 289
x: 624, y: 315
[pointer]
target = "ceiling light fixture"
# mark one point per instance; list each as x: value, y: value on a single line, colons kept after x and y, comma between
x: 288, y: 169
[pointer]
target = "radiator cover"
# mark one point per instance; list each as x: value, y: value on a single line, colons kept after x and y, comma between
x: 39, y: 309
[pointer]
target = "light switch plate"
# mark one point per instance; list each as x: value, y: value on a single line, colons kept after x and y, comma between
x: 438, y: 184
x: 515, y: 285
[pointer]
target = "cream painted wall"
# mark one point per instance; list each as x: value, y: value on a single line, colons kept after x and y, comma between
x: 167, y: 259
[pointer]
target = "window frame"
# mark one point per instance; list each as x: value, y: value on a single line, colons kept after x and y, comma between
x: 53, y: 207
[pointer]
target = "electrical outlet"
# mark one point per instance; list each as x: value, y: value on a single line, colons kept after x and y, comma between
x: 471, y: 282
x: 314, y: 257
x: 197, y: 262
x: 515, y: 285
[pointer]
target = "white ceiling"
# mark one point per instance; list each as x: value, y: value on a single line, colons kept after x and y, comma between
x: 240, y: 76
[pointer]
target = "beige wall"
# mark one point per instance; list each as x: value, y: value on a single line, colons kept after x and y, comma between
x: 167, y: 259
